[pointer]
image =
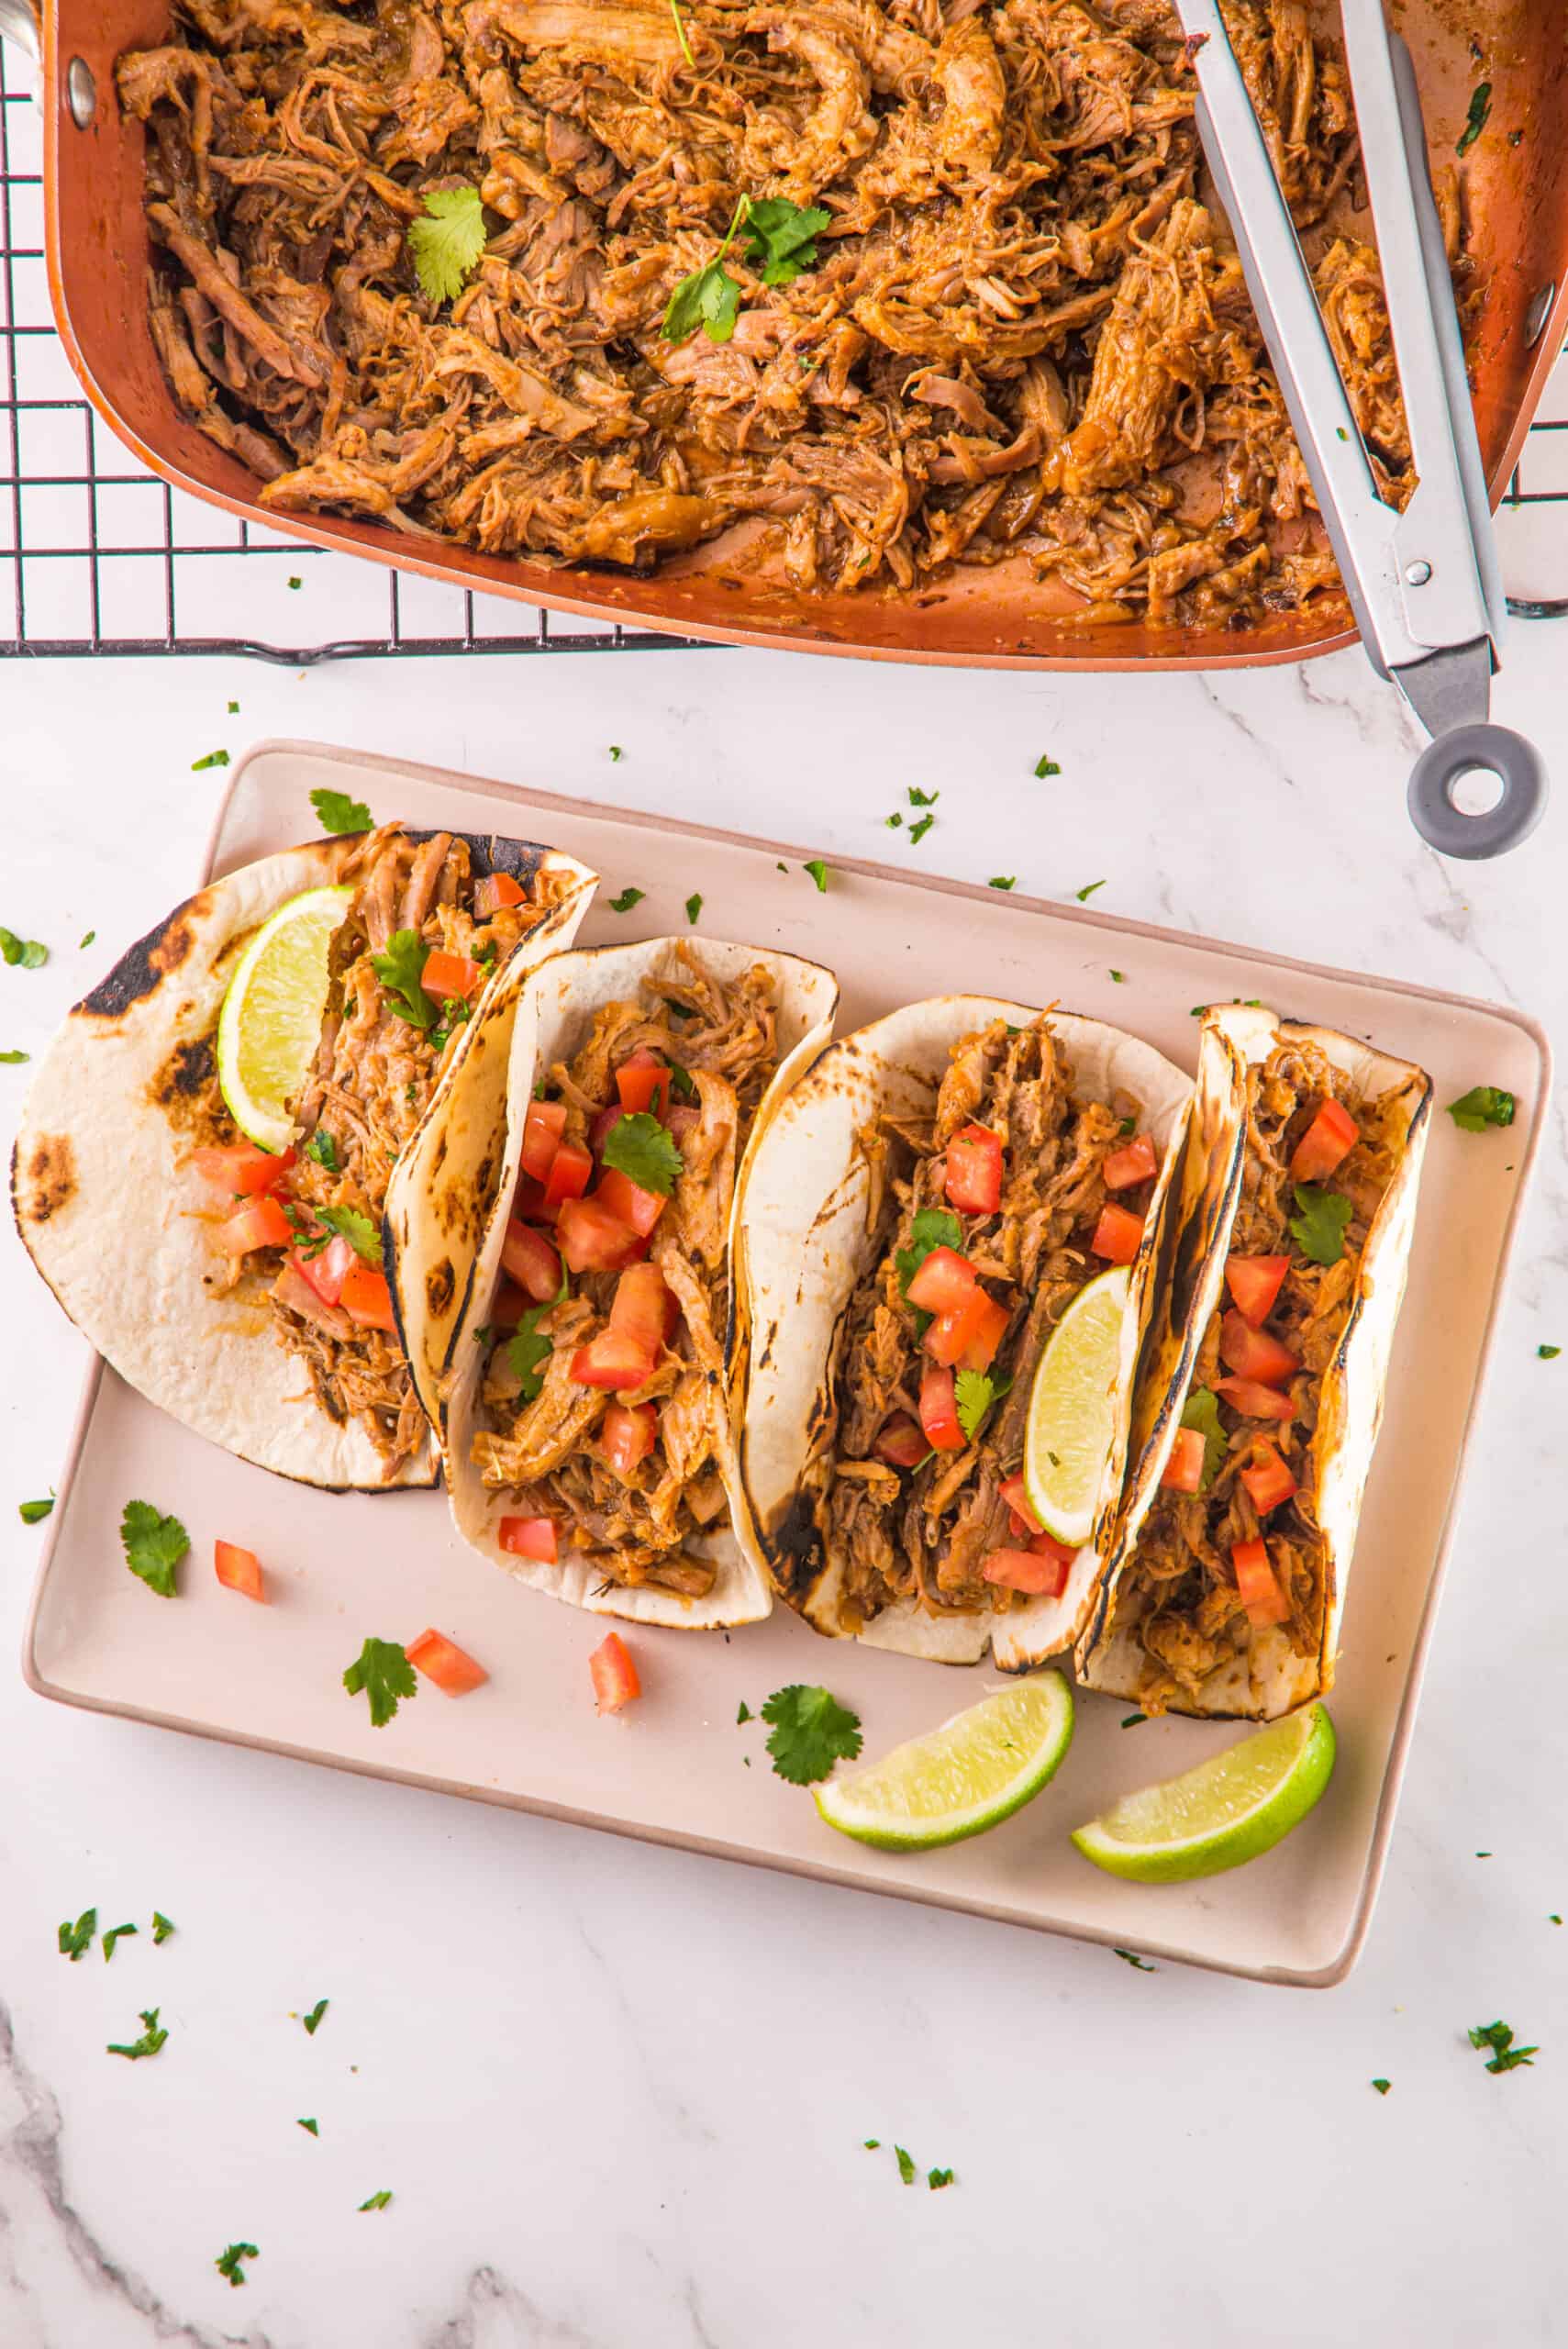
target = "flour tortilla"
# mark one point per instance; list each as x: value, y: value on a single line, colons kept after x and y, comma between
x: 803, y: 1248
x: 552, y: 1017
x: 117, y: 1223
x: 1269, y: 1678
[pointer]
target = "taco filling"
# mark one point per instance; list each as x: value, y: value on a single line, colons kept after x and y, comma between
x: 989, y: 1219
x: 604, y: 1400
x: 418, y: 943
x: 1230, y: 1546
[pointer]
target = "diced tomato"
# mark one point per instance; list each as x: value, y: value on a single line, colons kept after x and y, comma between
x: 973, y: 1178
x: 594, y: 1241
x: 495, y: 892
x: 542, y: 1129
x: 615, y: 1363
x: 569, y: 1170
x: 1332, y: 1133
x: 528, y: 1537
x: 1134, y: 1163
x: 604, y: 1122
x: 509, y: 1307
x: 944, y: 1282
x: 1256, y: 1587
x: 1254, y: 1283
x: 938, y: 1411
x: 1046, y: 1545
x: 1015, y: 1492
x: 614, y: 1675
x: 643, y: 1309
x: 643, y: 1082
x: 532, y: 1263
x: 441, y: 1660
x: 239, y: 1168
x: 1117, y: 1234
x: 446, y: 974
x: 629, y: 1202
x: 260, y: 1224
x: 1253, y: 1354
x: 967, y: 1339
x: 901, y: 1443
x: 628, y: 1436
x: 239, y: 1570
x: 1254, y: 1400
x: 1183, y: 1470
x: 1268, y: 1479
x: 366, y: 1298
x: 327, y: 1271
x: 1023, y: 1570
x: 529, y: 1204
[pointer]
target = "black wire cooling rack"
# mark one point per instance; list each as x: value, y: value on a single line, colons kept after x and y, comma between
x: 98, y: 556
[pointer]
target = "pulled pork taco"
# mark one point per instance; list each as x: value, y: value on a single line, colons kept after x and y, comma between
x: 589, y: 1414
x: 917, y: 1221
x: 1225, y: 1579
x: 243, y: 1288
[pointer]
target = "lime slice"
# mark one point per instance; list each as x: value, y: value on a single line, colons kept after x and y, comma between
x: 1227, y: 1811
x: 1072, y: 1424
x: 271, y: 1022
x: 969, y: 1774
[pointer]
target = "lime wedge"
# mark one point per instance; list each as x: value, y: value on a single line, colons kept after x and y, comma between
x: 1072, y: 1423
x: 969, y: 1774
x: 271, y: 1022
x: 1227, y: 1811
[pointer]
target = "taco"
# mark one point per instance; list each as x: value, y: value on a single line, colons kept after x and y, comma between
x: 1225, y: 1580
x: 243, y: 1289
x: 589, y: 1415
x: 1017, y: 1153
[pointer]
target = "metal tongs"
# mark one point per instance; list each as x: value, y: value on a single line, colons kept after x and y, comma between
x: 1425, y: 583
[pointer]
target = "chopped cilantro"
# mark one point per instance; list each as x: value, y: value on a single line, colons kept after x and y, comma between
x: 937, y: 2179
x: 213, y: 758
x: 932, y: 1228
x: 616, y: 753
x: 1201, y: 1411
x: 974, y: 1391
x: 1087, y: 891
x: 87, y: 938
x: 783, y: 867
x: 377, y: 2201
x: 1002, y: 881
x: 893, y: 821
x: 918, y: 832
x: 1133, y: 1720
x: 694, y: 907
x: 628, y: 898
x: 923, y: 798
x: 115, y: 1933
x: 782, y: 236
x: 296, y: 583
x: 709, y: 297
x: 1119, y: 976
x: 1382, y: 2087
x: 324, y: 1149
x: 76, y: 1939
x: 34, y: 1512
x: 383, y: 1674
x: 818, y: 869
x: 234, y: 710
x: 1499, y: 2038
x: 310, y: 2125
x: 1543, y: 1353
x: 1141, y: 1963
x: 1475, y: 120
x: 638, y: 1147
x: 15, y: 1060
x: 906, y: 2166
x: 1319, y: 1225
x: 745, y: 1713
x: 151, y: 2038
x: 162, y: 1927
x: 228, y: 2263
x: 337, y: 813
x: 312, y: 2022
x: 1046, y: 766
x: 399, y: 971
x: 1483, y: 1106
x: 154, y: 1545
x: 1340, y: 434
x: 872, y: 2144
x: 356, y: 1228
x: 527, y: 1348
x: 681, y: 1084
x: 1553, y: 1919
x: 811, y: 1731
x: 446, y: 246
x: 28, y: 953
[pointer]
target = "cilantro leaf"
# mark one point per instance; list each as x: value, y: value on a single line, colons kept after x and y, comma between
x: 87, y: 938
x: 383, y: 1674
x: 872, y: 2144
x: 694, y: 907
x: 681, y: 1084
x: 28, y: 953
x: 310, y: 2125
x: 339, y: 813
x: 151, y: 2038
x: 1475, y: 120
x: 1382, y: 2087
x: 708, y: 298
x: 1046, y: 766
x: 918, y: 798
x: 228, y: 2263
x: 1483, y: 1106
x: 115, y: 1933
x: 312, y: 2022
x: 975, y: 1391
x: 399, y: 971
x: 324, y: 1149
x: 154, y: 1545
x: 811, y: 1731
x: 906, y: 2166
x: 75, y: 1939
x: 1087, y: 891
x: 638, y: 1147
x: 527, y: 1347
x: 918, y: 832
x: 932, y: 1228
x: 745, y: 1713
x: 15, y: 1060
x: 213, y: 758
x: 818, y: 868
x: 356, y: 1228
x: 1319, y: 1225
x: 1201, y: 1411
x: 628, y: 898
x: 1543, y: 1353
x: 782, y: 236
x: 162, y: 1927
x: 1499, y: 2038
x: 447, y: 244
x: 234, y: 710
x: 34, y: 1512
x: 1141, y: 1963
x: 377, y: 2201
x: 1002, y: 881
x: 938, y: 2177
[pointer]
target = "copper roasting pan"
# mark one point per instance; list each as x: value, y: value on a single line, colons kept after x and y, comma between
x: 1516, y: 196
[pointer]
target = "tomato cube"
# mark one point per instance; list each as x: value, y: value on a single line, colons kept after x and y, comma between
x: 594, y: 1241
x: 239, y: 1168
x: 1267, y: 1479
x: 1256, y: 1585
x: 1134, y: 1163
x: 527, y: 1256
x: 495, y: 892
x: 901, y: 1443
x: 528, y: 1537
x: 938, y: 1411
x: 943, y: 1283
x: 508, y: 1307
x: 441, y: 1660
x: 967, y: 1339
x: 327, y: 1269
x: 544, y: 1126
x: 1253, y: 1354
x: 1332, y: 1134
x: 1183, y: 1470
x: 1254, y: 1283
x: 1254, y: 1400
x: 627, y: 1437
x: 366, y: 1299
x: 629, y: 1202
x: 644, y: 1310
x: 446, y: 974
x: 1116, y: 1235
x: 1015, y: 1492
x: 261, y: 1223
x: 615, y: 1363
x: 614, y: 1675
x: 973, y: 1178
x: 1023, y: 1570
x: 643, y: 1082
x: 239, y: 1570
x: 570, y: 1172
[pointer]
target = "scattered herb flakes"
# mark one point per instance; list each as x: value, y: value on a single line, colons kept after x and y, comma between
x: 15, y: 1060
x: 1483, y: 1106
x: 337, y: 813
x: 1339, y: 432
x: 75, y: 1939
x: 34, y: 1512
x: 1482, y: 1855
x: 1002, y: 881
x: 154, y: 1545
x: 628, y: 898
x: 1475, y: 120
x: 923, y: 798
x: 87, y: 938
x: 1131, y: 1957
x: 811, y: 1731
x: 1382, y: 2087
x: 22, y: 953
x: 377, y: 2201
x: 382, y: 1673
x: 906, y: 2166
x: 1499, y: 2038
x: 937, y: 2179
x: 312, y: 2022
x: 151, y: 2038
x: 234, y: 710
x: 356, y: 1228
x: 296, y: 583
x: 872, y: 2144
x: 227, y: 2262
x: 447, y: 244
x: 1201, y: 1411
x: 400, y: 971
x: 162, y: 1927
x: 1318, y: 1225
x: 617, y: 754
x: 1087, y: 891
x: 918, y: 830
x: 694, y: 907
x: 974, y: 1391
x: 213, y: 758
x: 323, y: 1150
x: 818, y: 868
x: 1543, y: 1353
x: 1046, y: 766
x: 1118, y: 976
x: 1553, y: 1919
x: 638, y: 1147
x: 310, y: 2126
x: 1133, y: 1720
x: 115, y: 1933
x: 744, y: 1714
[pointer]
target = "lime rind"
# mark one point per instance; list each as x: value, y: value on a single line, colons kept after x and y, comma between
x: 1071, y: 1433
x: 270, y: 1026
x: 968, y: 1776
x: 1229, y: 1810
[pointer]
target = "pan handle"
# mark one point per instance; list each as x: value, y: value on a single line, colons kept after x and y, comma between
x: 19, y: 22
x: 1518, y: 765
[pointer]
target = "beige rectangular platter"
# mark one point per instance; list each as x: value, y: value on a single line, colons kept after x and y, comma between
x: 676, y: 1768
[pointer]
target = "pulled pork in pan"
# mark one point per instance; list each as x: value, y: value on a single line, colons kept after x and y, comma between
x: 1231, y: 1543
x: 608, y: 1403
x: 972, y: 301
x: 989, y: 1219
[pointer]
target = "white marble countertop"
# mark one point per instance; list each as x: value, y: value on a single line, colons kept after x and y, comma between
x: 619, y: 2093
